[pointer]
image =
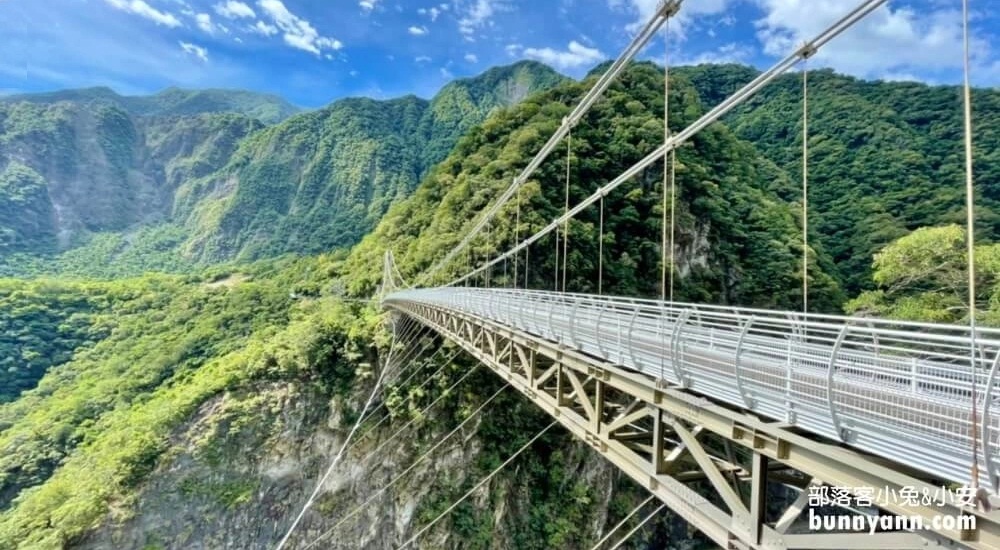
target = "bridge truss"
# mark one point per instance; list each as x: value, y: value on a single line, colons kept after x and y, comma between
x: 668, y: 439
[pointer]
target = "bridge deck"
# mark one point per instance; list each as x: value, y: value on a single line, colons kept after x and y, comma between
x: 901, y: 391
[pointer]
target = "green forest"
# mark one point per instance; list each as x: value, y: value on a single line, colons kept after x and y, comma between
x: 220, y: 280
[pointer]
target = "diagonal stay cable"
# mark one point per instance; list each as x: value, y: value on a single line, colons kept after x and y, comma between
x: 336, y: 459
x: 400, y: 370
x: 683, y: 136
x: 445, y: 364
x: 429, y: 359
x: 424, y: 410
x: 635, y: 529
x: 621, y: 523
x: 482, y: 482
x: 410, y: 468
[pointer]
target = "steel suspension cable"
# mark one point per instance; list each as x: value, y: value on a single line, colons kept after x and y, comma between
x: 666, y: 139
x: 708, y: 118
x: 482, y: 482
x: 414, y: 464
x: 600, y: 251
x: 336, y: 460
x: 970, y: 228
x: 667, y: 10
x: 621, y: 523
x: 517, y: 234
x: 569, y: 149
x: 489, y: 272
x: 805, y: 185
x: 527, y: 266
x: 641, y: 524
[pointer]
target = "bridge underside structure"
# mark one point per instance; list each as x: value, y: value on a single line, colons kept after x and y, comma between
x: 737, y: 405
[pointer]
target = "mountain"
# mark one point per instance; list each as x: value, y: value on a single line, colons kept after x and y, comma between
x: 68, y: 169
x: 172, y: 102
x: 143, y: 179
x: 323, y: 179
x: 198, y: 411
x: 885, y: 157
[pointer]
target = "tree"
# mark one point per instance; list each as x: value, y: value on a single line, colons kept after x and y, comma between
x: 923, y: 277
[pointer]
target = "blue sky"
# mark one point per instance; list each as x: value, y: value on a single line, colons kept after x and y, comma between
x: 312, y: 52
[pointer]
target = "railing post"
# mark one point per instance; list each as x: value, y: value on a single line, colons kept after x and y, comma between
x: 572, y: 324
x: 618, y: 321
x: 789, y: 407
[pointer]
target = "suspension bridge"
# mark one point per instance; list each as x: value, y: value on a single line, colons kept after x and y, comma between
x: 743, y: 403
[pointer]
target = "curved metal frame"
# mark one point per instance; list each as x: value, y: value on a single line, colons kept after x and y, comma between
x: 740, y: 387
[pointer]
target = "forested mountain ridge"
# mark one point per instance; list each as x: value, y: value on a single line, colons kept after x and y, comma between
x: 885, y: 157
x: 171, y: 192
x: 323, y: 179
x: 172, y: 102
x: 70, y: 169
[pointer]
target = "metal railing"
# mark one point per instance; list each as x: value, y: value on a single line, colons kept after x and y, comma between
x: 899, y: 390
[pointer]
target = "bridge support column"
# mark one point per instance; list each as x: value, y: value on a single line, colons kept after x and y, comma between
x: 659, y: 438
x: 758, y: 496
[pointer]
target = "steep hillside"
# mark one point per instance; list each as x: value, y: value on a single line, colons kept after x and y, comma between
x: 885, y: 157
x: 69, y: 169
x: 212, y: 404
x: 738, y: 241
x: 269, y: 109
x: 117, y: 186
x: 321, y: 180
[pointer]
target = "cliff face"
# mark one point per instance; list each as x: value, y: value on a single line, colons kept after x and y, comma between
x: 71, y: 169
x: 81, y: 168
x: 244, y: 465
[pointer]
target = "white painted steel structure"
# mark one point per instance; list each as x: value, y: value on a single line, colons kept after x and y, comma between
x: 898, y: 390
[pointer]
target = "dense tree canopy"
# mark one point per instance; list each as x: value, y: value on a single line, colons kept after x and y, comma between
x: 924, y: 277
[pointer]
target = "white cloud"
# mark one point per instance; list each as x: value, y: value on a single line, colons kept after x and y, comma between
x: 144, y: 10
x: 446, y: 74
x: 513, y: 49
x: 727, y: 53
x: 418, y: 31
x: 422, y: 59
x: 887, y: 42
x: 575, y: 55
x: 197, y: 51
x: 204, y: 21
x: 433, y: 12
x: 368, y: 5
x: 644, y: 10
x: 471, y: 58
x: 235, y: 10
x: 478, y: 15
x: 297, y: 32
x: 264, y: 29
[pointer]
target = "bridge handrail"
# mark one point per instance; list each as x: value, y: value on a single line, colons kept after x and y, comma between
x: 892, y: 388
